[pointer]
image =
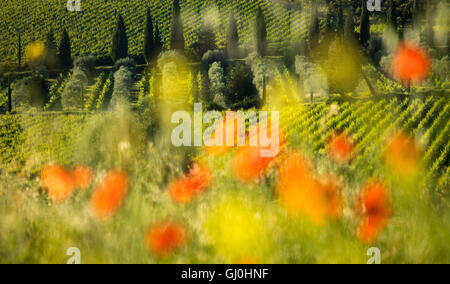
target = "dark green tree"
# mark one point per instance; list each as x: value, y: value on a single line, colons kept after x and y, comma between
x: 50, y: 53
x: 65, y: 56
x: 391, y: 14
x: 177, y: 37
x: 242, y: 93
x: 364, y: 35
x: 260, y: 33
x: 206, y: 40
x: 19, y: 50
x: 349, y: 26
x: 119, y: 47
x: 158, y: 40
x: 340, y: 18
x: 149, y: 39
x: 314, y: 31
x: 232, y: 43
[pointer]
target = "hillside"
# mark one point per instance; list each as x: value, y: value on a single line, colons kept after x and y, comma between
x: 91, y: 29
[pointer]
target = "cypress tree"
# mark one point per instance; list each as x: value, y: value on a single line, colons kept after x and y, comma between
x: 50, y: 53
x: 65, y: 57
x: 119, y: 47
x: 232, y: 43
x: 149, y: 39
x: 364, y: 35
x: 157, y: 40
x: 260, y: 33
x: 177, y: 38
x: 50, y: 40
x: 19, y: 50
x: 391, y: 14
x: 314, y: 32
x: 340, y: 18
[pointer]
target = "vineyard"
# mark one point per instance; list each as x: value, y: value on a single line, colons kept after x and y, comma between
x: 98, y: 19
x: 115, y: 139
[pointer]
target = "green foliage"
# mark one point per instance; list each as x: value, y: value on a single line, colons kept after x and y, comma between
x: 177, y: 41
x: 30, y: 92
x: 123, y: 81
x: 260, y: 33
x: 65, y: 53
x: 72, y: 98
x: 232, y: 41
x: 364, y: 28
x: 217, y: 84
x: 241, y: 91
x: 119, y: 46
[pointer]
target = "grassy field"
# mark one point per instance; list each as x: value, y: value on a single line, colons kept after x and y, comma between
x: 234, y: 221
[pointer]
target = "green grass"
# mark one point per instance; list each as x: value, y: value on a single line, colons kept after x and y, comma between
x: 33, y: 229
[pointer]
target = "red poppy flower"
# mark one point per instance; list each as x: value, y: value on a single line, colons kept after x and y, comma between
x: 299, y: 192
x: 163, y: 239
x: 57, y: 182
x: 410, y: 64
x: 82, y: 176
x: 251, y: 162
x: 187, y: 187
x: 340, y: 148
x: 374, y: 206
x: 332, y: 191
x: 110, y: 194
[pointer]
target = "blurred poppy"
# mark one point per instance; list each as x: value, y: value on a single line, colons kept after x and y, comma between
x: 410, y: 64
x: 82, y: 176
x: 402, y: 154
x: 227, y: 123
x: 250, y: 162
x: 341, y: 147
x: 187, y: 187
x: 332, y: 190
x: 110, y: 194
x: 57, y: 182
x: 163, y: 239
x: 374, y: 206
x: 299, y: 192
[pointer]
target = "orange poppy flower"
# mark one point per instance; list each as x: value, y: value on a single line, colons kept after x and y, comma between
x: 340, y: 148
x: 374, y: 206
x: 299, y: 192
x: 332, y: 190
x: 82, y: 176
x: 187, y: 187
x: 227, y: 123
x: 410, y: 64
x: 110, y: 194
x: 402, y: 154
x: 249, y: 162
x: 57, y: 182
x: 163, y: 239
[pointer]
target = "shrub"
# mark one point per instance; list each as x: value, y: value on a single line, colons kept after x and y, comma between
x: 241, y: 88
x: 123, y: 82
x: 86, y: 63
x: 128, y: 63
x: 212, y: 56
x: 30, y: 92
x: 73, y: 95
x: 217, y: 84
